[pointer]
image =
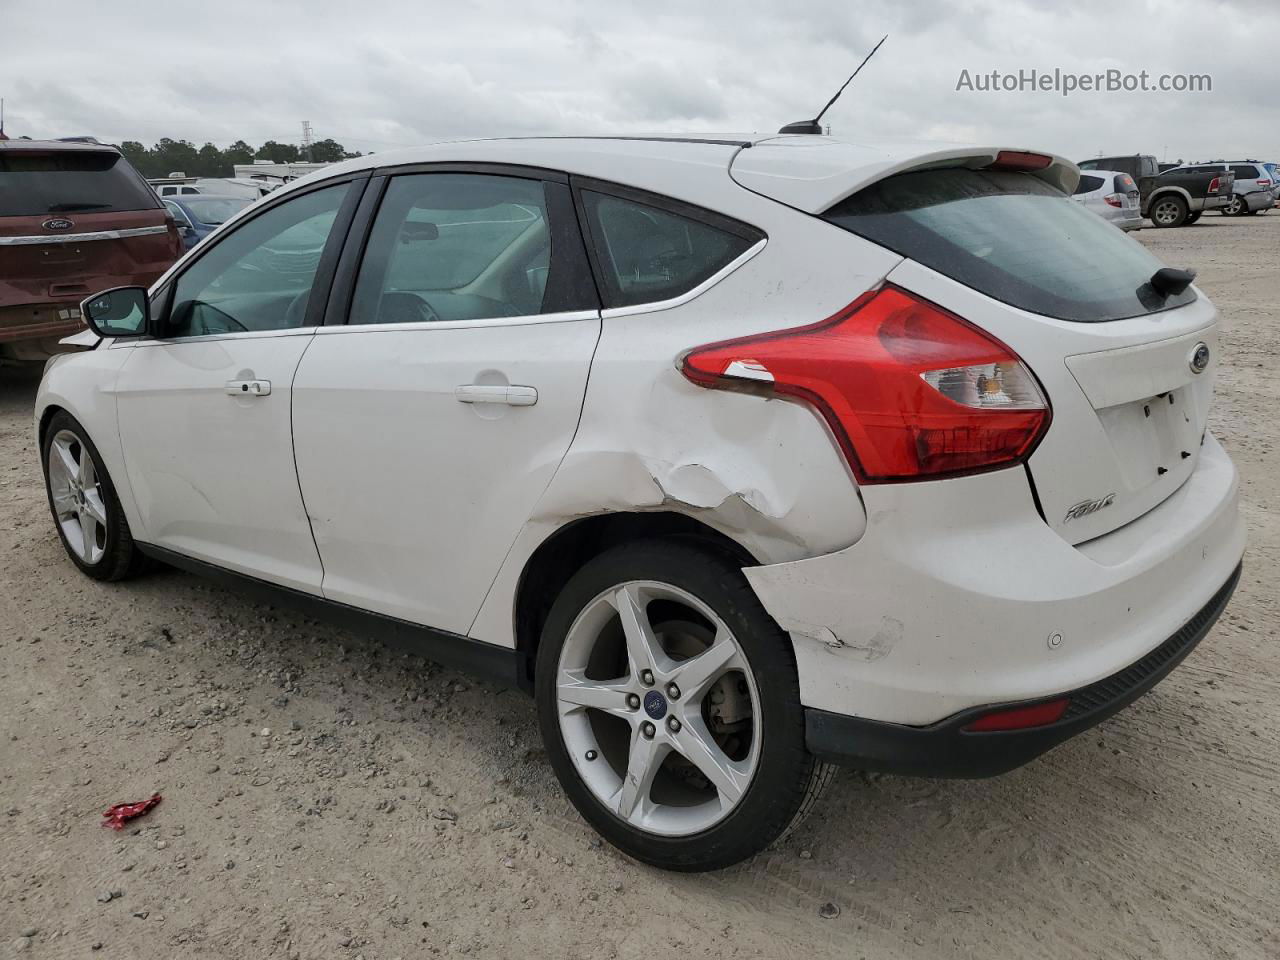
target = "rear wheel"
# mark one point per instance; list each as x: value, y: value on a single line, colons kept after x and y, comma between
x: 83, y: 501
x: 1169, y: 211
x: 1235, y: 208
x: 670, y: 708
x: 1194, y: 217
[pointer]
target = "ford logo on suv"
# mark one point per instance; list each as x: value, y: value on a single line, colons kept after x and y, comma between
x: 58, y: 223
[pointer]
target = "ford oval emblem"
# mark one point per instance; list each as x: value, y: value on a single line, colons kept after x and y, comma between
x: 1200, y: 357
x: 58, y: 223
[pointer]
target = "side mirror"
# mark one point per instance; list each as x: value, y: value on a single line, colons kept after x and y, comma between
x: 120, y: 312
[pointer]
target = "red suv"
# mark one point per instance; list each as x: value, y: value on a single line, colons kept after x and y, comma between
x: 75, y: 218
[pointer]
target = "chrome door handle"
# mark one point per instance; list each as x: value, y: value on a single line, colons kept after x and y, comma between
x: 512, y: 395
x: 248, y: 388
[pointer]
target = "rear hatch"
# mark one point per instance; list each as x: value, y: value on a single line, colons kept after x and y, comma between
x: 1127, y: 370
x: 74, y: 221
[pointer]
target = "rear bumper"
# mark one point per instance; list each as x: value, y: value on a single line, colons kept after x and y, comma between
x: 946, y: 749
x: 959, y: 595
x: 1215, y: 203
x: 39, y: 321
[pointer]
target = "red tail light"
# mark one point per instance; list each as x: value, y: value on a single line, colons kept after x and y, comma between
x: 1214, y: 184
x: 1264, y: 183
x: 1114, y: 200
x: 910, y: 391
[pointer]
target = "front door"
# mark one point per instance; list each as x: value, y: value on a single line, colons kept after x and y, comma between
x: 427, y: 427
x: 205, y: 411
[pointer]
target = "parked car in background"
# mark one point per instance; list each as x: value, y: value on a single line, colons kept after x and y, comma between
x: 1173, y: 198
x: 220, y: 186
x: 198, y: 216
x: 1112, y: 195
x: 758, y: 458
x: 74, y: 218
x: 1254, y: 188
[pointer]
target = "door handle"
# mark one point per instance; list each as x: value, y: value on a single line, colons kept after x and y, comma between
x: 512, y: 395
x: 248, y: 388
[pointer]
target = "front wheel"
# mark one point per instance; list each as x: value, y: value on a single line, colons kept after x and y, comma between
x: 669, y: 704
x: 83, y: 501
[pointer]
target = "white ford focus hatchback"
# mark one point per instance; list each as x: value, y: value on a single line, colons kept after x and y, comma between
x: 742, y: 456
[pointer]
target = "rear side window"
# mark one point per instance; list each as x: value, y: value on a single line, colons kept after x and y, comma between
x: 647, y: 254
x: 1245, y: 171
x: 33, y: 184
x: 1013, y: 237
x: 1088, y: 184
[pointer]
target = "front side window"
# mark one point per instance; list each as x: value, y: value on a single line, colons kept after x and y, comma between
x: 455, y: 246
x: 647, y: 254
x: 1012, y: 237
x: 258, y: 277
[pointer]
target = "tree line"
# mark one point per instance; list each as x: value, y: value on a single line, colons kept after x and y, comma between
x: 173, y: 156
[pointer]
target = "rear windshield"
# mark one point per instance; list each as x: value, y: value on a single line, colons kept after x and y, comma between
x: 1013, y: 237
x: 69, y: 181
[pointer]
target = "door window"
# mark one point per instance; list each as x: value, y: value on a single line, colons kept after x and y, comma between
x: 259, y: 277
x: 455, y: 246
x: 647, y: 254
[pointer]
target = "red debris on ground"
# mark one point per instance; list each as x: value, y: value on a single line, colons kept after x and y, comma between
x: 118, y: 814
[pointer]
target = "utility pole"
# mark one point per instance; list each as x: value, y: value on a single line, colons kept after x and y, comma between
x: 306, y: 139
x: 2, y: 133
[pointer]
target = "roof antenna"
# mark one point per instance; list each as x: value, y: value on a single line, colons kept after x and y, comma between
x: 813, y: 126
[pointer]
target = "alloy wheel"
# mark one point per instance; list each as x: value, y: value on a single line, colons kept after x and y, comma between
x: 77, y: 498
x: 658, y: 708
x: 1166, y: 212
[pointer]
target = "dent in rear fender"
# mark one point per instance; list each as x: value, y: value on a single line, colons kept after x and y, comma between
x: 763, y: 472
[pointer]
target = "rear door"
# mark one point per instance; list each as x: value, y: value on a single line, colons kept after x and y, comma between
x: 431, y: 414
x: 1128, y: 371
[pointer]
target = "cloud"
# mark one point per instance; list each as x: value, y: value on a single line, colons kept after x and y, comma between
x: 385, y: 73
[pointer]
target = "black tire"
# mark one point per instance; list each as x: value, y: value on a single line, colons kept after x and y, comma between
x: 1194, y: 217
x: 1169, y: 210
x: 787, y: 779
x: 1236, y: 208
x: 120, y: 556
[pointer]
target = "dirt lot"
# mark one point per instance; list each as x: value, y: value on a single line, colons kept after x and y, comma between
x: 327, y: 798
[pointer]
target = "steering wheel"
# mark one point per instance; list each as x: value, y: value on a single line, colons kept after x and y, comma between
x: 296, y: 312
x: 207, y: 312
x: 401, y: 307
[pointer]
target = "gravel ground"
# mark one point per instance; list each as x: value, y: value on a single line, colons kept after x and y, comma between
x: 325, y: 797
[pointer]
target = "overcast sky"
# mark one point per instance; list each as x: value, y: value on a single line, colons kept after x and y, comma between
x: 377, y: 74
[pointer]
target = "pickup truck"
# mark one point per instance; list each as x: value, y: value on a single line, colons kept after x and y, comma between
x: 1174, y: 198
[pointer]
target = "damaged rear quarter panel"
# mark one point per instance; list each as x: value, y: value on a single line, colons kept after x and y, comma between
x: 767, y: 473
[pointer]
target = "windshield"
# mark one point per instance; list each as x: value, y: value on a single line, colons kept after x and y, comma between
x: 215, y: 210
x: 69, y: 181
x: 1013, y: 237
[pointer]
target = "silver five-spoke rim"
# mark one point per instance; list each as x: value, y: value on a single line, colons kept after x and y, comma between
x: 658, y: 708
x: 77, y: 497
